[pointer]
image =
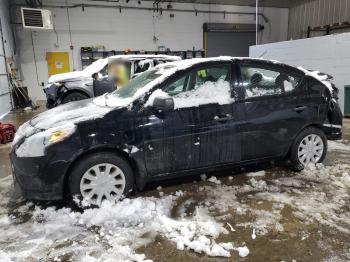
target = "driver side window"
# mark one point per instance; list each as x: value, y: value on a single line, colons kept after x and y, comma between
x: 177, y: 86
x: 205, y: 85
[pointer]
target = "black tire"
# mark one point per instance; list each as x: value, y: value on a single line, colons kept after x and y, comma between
x: 74, y: 96
x: 86, y: 163
x: 296, y: 165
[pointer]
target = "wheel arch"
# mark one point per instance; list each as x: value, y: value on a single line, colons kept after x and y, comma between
x: 70, y: 91
x: 105, y: 149
x: 314, y: 125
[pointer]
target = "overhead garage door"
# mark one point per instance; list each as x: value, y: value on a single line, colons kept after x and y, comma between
x: 229, y: 39
x: 229, y: 43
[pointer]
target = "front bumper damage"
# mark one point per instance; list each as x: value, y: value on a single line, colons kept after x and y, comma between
x: 54, y: 94
x: 38, y: 178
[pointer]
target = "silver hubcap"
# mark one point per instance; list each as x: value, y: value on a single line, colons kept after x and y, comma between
x: 310, y: 149
x: 102, y: 182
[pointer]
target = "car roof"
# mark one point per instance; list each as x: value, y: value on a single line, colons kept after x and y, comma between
x: 182, y: 64
x: 143, y: 56
x: 194, y: 61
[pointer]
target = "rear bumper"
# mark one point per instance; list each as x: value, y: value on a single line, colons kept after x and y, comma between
x: 37, y: 179
x: 332, y: 132
x: 335, y: 136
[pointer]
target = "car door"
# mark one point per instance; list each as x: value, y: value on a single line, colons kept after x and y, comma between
x: 201, y: 131
x: 275, y: 108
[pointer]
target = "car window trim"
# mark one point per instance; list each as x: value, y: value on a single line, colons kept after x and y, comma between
x: 277, y: 68
x: 189, y: 70
x: 182, y: 72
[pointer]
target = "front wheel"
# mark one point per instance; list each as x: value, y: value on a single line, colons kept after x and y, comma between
x: 99, y: 177
x: 309, y: 147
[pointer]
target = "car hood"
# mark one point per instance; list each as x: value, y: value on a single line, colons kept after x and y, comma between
x: 61, y: 117
x: 73, y: 112
x: 67, y: 76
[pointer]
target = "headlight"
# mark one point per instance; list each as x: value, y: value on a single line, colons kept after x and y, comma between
x: 57, y: 136
x: 34, y: 145
x: 58, y: 84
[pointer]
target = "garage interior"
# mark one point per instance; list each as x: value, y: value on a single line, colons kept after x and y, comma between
x: 262, y: 212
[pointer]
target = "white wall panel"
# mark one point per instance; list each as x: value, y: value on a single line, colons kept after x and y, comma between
x: 130, y: 29
x: 328, y: 54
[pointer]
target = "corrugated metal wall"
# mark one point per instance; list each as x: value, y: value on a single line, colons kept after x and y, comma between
x: 313, y: 13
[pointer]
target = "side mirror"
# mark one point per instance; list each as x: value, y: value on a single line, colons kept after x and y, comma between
x: 163, y: 103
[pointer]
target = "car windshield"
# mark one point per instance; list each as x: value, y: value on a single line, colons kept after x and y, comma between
x: 129, y: 89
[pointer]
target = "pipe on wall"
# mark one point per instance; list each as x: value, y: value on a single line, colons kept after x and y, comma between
x: 120, y: 7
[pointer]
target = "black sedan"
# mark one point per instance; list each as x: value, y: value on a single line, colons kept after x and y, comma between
x: 176, y: 119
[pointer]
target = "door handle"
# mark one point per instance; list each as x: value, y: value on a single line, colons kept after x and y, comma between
x: 223, y: 118
x: 299, y: 108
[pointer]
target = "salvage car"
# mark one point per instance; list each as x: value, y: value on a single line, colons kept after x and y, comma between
x: 176, y: 119
x: 95, y: 79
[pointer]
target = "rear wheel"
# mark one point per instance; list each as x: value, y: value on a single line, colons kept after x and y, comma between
x: 74, y: 96
x: 309, y: 147
x: 99, y: 177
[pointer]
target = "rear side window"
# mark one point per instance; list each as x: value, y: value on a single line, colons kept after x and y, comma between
x: 142, y: 65
x: 259, y: 81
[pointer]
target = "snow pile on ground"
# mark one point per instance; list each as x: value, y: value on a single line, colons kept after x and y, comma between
x: 214, y: 180
x: 319, y: 194
x: 194, y: 234
x: 326, y: 203
x: 4, y: 257
x: 113, y: 231
x: 338, y: 146
x: 257, y: 174
x: 247, y: 208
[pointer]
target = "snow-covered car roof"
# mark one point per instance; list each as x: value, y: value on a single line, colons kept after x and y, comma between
x: 143, y: 56
x: 99, y: 64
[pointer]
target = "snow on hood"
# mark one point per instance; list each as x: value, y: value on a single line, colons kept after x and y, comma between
x: 98, y: 65
x: 62, y: 118
x: 66, y: 76
x: 95, y: 67
x: 69, y: 113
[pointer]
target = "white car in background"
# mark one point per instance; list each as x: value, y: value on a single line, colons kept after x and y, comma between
x: 94, y: 81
